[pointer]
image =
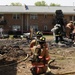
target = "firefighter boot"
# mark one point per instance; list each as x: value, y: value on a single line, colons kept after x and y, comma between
x: 33, y: 71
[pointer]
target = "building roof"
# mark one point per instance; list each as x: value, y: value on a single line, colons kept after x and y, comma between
x: 51, y: 9
x: 12, y: 9
x: 37, y: 9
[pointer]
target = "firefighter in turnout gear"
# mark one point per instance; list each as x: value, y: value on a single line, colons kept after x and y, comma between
x: 40, y: 58
x: 57, y: 33
x: 34, y: 42
x: 69, y: 29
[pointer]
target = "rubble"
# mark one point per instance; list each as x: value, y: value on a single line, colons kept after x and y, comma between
x: 13, y: 55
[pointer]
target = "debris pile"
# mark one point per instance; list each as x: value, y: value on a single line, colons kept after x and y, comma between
x: 11, y: 50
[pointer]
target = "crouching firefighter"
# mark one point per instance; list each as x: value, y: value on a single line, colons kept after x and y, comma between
x: 35, y: 42
x: 40, y: 58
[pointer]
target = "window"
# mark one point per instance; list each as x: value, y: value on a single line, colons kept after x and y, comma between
x: 45, y: 27
x: 33, y: 16
x: 70, y: 18
x: 74, y: 18
x: 1, y: 17
x: 35, y: 27
x: 45, y: 15
x: 16, y: 16
x: 16, y: 27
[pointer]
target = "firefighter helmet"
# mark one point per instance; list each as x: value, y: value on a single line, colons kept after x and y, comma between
x: 42, y: 39
x: 39, y: 34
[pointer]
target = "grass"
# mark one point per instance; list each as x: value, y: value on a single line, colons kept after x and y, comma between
x: 49, y: 37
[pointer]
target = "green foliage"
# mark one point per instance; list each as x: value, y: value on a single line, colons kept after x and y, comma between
x: 53, y: 4
x: 16, y: 4
x: 43, y: 3
x: 40, y: 3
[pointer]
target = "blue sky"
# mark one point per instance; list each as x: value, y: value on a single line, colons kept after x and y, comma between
x: 32, y: 2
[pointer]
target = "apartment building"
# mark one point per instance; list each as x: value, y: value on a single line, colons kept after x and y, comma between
x: 22, y: 18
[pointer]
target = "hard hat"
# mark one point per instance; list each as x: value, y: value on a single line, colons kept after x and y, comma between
x: 39, y: 34
x: 42, y: 39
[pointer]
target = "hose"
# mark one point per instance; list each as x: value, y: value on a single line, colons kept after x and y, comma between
x: 66, y: 73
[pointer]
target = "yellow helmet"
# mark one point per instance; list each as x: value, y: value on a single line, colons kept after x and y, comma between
x: 42, y: 39
x: 39, y: 34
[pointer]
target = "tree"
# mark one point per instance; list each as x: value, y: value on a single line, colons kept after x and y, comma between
x: 16, y: 4
x: 40, y: 3
x: 53, y: 4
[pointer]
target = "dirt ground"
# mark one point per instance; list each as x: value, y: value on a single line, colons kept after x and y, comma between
x: 13, y: 58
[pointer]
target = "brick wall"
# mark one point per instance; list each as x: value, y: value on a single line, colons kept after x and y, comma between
x: 26, y: 21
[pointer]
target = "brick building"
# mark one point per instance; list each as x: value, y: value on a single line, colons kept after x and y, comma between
x: 39, y: 17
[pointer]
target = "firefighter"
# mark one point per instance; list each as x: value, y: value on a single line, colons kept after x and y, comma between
x: 69, y: 29
x: 58, y: 33
x: 40, y: 58
x: 34, y: 42
x: 73, y: 34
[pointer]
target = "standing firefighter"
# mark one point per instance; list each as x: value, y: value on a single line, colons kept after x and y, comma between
x: 57, y: 33
x: 40, y: 58
x: 59, y: 26
x: 73, y: 34
x: 69, y: 29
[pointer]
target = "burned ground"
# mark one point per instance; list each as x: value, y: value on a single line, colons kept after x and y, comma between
x: 13, y: 60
